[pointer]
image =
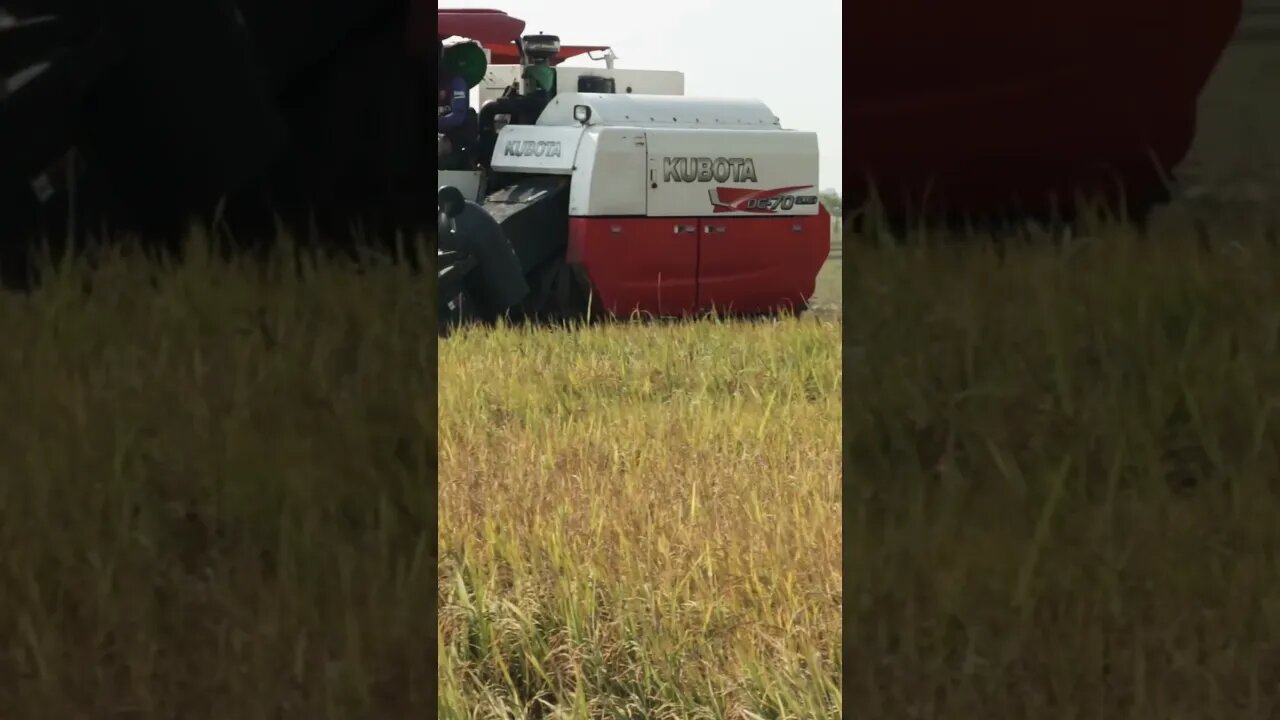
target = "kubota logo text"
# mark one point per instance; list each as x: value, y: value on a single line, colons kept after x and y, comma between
x: 765, y: 202
x: 706, y: 169
x: 532, y: 148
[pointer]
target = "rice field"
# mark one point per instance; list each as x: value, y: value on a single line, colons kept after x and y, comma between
x: 216, y: 493
x: 1055, y: 496
x: 829, y: 291
x: 641, y: 521
x: 1062, y: 474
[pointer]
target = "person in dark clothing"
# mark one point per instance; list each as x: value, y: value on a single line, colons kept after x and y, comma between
x: 455, y: 119
x: 540, y: 79
x: 452, y: 102
x: 539, y: 88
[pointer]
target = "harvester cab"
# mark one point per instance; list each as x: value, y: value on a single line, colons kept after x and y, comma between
x: 614, y: 191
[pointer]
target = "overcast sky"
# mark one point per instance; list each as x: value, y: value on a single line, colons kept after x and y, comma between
x: 786, y: 54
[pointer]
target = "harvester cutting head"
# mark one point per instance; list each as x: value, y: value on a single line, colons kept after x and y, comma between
x: 613, y: 190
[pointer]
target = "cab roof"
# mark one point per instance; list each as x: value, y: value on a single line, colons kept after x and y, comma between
x: 498, y: 33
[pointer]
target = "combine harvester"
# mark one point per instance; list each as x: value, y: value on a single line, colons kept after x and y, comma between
x: 606, y: 190
x: 1006, y: 106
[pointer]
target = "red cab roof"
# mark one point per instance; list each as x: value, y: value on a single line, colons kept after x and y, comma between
x: 497, y: 32
x: 483, y: 26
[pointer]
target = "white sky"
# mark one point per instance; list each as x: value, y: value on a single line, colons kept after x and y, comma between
x: 787, y: 54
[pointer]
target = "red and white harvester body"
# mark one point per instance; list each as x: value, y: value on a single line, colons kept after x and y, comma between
x: 633, y: 199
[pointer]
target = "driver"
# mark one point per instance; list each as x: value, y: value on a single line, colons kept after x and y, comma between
x: 541, y: 80
x: 539, y: 88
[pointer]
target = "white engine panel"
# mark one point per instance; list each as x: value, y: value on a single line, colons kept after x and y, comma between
x: 639, y: 82
x: 666, y: 156
x: 660, y: 111
x: 536, y: 149
x: 610, y: 180
x: 693, y: 172
x: 626, y: 82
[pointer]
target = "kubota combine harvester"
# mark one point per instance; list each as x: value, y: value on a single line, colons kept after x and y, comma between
x: 608, y: 187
